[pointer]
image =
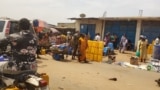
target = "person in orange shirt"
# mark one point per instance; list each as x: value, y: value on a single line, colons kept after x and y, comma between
x: 82, y: 48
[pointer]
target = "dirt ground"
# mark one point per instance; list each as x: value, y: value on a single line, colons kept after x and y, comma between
x: 72, y: 75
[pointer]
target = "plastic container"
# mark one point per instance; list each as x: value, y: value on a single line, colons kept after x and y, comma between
x: 94, y: 44
x: 95, y: 58
x: 91, y: 57
x: 156, y: 52
x: 100, y: 51
x: 43, y: 51
x: 92, y: 50
x: 12, y: 88
x: 138, y: 53
x: 89, y: 43
x: 87, y: 50
x: 100, y: 45
x: 45, y: 77
x: 87, y: 56
x: 99, y: 58
x: 95, y: 50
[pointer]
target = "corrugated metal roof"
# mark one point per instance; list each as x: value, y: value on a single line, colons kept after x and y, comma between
x: 84, y: 18
x: 117, y: 18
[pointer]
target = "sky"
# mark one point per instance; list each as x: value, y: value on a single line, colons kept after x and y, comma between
x: 58, y: 11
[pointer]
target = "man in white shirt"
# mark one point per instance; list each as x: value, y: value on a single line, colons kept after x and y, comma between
x: 97, y: 37
x: 157, y: 41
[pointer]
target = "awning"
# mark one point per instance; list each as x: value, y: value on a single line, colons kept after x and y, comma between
x: 54, y: 30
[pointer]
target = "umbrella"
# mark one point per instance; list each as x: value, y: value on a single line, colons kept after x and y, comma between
x: 39, y: 24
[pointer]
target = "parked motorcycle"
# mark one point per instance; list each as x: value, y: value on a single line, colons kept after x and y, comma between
x: 23, y: 81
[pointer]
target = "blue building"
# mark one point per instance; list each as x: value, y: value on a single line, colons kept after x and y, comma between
x: 133, y: 27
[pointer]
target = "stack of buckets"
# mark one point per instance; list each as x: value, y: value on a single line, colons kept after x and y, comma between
x: 94, y: 51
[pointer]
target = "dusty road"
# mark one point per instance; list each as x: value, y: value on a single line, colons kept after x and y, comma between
x: 71, y: 75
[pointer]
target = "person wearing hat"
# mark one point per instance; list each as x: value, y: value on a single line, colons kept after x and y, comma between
x: 142, y: 48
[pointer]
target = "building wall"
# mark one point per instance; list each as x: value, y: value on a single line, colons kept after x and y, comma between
x: 151, y: 29
x: 139, y: 26
x: 67, y: 25
x: 98, y: 24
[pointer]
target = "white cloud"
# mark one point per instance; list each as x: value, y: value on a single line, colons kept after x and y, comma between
x: 54, y: 11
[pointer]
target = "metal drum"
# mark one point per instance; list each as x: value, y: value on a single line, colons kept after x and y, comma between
x: 156, y: 52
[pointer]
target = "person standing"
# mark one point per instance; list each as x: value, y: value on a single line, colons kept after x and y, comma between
x: 123, y: 43
x: 69, y: 37
x: 143, y: 49
x: 97, y: 37
x: 157, y: 40
x: 138, y: 43
x: 146, y: 42
x: 155, y: 43
x: 107, y: 39
x: 74, y: 44
x: 115, y: 41
x: 82, y: 48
